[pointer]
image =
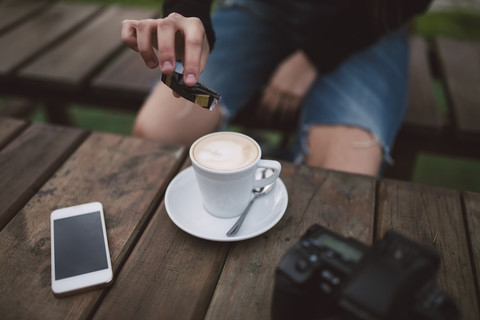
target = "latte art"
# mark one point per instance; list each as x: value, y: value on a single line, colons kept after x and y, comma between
x: 225, y: 151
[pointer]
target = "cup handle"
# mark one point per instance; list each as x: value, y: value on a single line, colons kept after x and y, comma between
x: 268, y: 164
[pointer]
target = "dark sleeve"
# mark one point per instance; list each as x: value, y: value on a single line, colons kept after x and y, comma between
x: 363, y: 24
x: 193, y: 8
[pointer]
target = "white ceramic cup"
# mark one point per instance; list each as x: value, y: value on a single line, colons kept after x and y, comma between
x: 225, y: 164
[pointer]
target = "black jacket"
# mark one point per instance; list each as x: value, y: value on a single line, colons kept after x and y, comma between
x: 362, y: 23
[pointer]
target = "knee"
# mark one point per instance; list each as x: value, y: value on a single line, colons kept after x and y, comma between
x: 141, y: 129
x: 138, y: 130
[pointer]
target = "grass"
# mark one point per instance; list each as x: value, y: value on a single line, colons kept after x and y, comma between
x: 459, y: 24
x: 449, y: 172
x: 154, y: 4
x: 95, y: 119
x: 455, y: 173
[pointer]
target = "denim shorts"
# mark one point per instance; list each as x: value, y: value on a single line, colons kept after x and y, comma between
x: 368, y: 90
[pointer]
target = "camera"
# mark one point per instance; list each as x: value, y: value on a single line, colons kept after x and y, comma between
x: 327, y: 276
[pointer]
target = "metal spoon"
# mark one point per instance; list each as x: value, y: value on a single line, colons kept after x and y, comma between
x: 257, y: 192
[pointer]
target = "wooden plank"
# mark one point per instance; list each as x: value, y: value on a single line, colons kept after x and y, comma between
x: 17, y: 107
x: 471, y: 203
x: 422, y: 112
x: 75, y: 59
x: 28, y: 161
x: 9, y: 128
x: 13, y: 12
x: 39, y: 33
x: 172, y: 274
x: 460, y: 65
x: 127, y: 175
x: 432, y: 216
x: 126, y: 77
x: 341, y: 202
x: 176, y: 281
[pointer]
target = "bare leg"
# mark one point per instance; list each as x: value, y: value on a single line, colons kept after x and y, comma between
x: 169, y: 119
x: 344, y: 148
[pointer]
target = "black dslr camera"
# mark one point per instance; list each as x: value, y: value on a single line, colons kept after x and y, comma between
x: 327, y: 276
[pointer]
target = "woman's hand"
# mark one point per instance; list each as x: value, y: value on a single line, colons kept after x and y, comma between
x: 175, y: 38
x: 288, y: 86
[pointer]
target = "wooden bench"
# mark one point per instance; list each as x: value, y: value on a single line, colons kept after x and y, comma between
x: 454, y: 65
x: 63, y: 53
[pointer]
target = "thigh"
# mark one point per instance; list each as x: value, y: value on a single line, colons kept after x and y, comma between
x: 248, y: 47
x: 368, y: 91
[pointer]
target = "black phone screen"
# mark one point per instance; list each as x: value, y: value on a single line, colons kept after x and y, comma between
x: 79, y: 245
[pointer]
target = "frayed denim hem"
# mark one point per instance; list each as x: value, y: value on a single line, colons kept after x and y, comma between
x: 301, y: 149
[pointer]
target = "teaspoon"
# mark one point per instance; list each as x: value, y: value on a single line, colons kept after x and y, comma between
x: 257, y: 192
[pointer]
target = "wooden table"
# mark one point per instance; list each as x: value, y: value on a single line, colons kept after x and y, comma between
x: 161, y: 272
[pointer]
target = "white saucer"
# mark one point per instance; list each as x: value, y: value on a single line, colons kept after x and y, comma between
x: 184, y: 206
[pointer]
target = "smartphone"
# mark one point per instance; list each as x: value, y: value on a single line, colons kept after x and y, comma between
x: 80, y: 254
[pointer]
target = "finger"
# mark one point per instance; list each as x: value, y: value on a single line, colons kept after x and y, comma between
x: 145, y: 31
x: 129, y: 33
x: 194, y: 34
x: 271, y: 98
x: 291, y: 107
x: 166, y: 30
x: 270, y: 105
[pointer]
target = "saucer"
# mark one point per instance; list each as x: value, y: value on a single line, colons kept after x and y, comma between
x: 184, y: 206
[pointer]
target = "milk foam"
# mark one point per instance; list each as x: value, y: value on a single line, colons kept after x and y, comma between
x: 225, y: 151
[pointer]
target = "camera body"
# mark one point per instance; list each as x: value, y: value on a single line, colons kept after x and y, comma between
x: 327, y: 276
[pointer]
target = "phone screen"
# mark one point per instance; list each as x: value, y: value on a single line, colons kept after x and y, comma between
x: 79, y: 245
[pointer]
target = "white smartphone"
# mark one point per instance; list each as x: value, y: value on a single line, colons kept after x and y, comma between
x: 80, y: 254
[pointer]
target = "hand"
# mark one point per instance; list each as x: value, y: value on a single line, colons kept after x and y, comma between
x: 288, y: 86
x: 175, y: 37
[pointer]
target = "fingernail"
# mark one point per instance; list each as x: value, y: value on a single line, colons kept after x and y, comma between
x: 190, y: 78
x: 152, y: 64
x: 167, y: 65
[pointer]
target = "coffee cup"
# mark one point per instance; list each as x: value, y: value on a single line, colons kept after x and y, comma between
x: 225, y: 164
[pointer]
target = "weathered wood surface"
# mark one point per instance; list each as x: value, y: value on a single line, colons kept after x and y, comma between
x: 173, y: 274
x: 340, y: 202
x: 126, y: 76
x: 422, y: 111
x: 433, y: 216
x: 71, y: 62
x: 9, y: 128
x: 14, y: 107
x: 163, y: 272
x: 32, y: 38
x: 471, y: 202
x: 21, y: 176
x: 127, y: 175
x: 460, y: 65
x: 13, y: 12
